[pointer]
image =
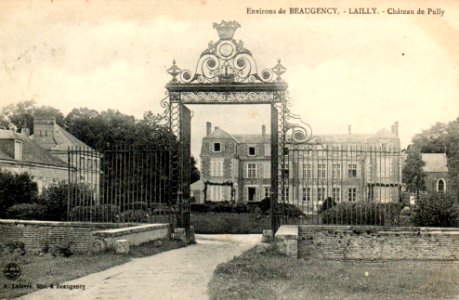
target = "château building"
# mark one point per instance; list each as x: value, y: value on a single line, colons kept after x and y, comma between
x: 345, y: 167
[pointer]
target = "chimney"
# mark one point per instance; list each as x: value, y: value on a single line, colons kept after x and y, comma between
x: 208, y: 128
x: 263, y: 131
x: 349, y: 129
x: 25, y: 131
x: 395, y: 128
x: 44, y: 126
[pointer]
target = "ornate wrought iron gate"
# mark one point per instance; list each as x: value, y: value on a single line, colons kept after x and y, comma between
x: 122, y: 184
x: 226, y: 73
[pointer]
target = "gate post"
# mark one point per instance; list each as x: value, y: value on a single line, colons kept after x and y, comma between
x: 275, y: 222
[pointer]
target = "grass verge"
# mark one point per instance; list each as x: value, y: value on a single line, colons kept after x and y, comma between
x: 47, y: 269
x: 269, y: 275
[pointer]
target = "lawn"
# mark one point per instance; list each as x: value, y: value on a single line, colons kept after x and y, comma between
x: 267, y: 275
x: 47, y: 269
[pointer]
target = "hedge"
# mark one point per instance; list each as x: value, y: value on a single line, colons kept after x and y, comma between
x: 362, y: 213
x: 436, y: 210
x: 98, y: 213
x: 27, y: 211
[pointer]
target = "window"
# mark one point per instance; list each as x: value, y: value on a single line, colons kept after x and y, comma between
x: 251, y: 151
x: 352, y: 170
x: 307, y: 171
x: 82, y: 163
x: 285, y: 170
x: 267, y: 192
x: 336, y: 194
x: 216, y: 193
x: 267, y: 150
x: 285, y: 151
x: 251, y: 171
x: 351, y: 194
x: 285, y: 193
x: 89, y: 164
x: 252, y: 193
x: 321, y: 170
x: 217, y: 147
x: 441, y: 185
x: 216, y: 168
x: 320, y: 194
x: 336, y: 171
x: 17, y: 150
x: 307, y: 194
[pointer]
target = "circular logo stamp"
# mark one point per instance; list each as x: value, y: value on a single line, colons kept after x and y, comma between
x: 12, y: 271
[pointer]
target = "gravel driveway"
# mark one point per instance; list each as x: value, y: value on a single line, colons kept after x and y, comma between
x: 178, y: 274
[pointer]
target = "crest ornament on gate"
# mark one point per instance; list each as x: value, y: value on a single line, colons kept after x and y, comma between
x: 226, y: 60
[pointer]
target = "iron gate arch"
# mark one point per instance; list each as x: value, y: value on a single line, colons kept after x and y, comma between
x: 227, y: 73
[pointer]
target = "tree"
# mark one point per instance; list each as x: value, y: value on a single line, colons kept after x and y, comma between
x: 16, y: 189
x: 452, y: 154
x: 432, y: 140
x: 195, y: 174
x: 22, y: 114
x: 412, y: 174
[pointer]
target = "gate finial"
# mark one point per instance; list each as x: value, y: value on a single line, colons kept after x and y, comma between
x: 226, y: 30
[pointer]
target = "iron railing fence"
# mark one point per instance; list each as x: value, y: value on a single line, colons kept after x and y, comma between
x: 122, y: 184
x: 341, y: 184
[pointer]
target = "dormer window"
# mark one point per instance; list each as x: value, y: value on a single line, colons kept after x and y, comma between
x: 251, y: 151
x: 17, y: 150
x: 217, y: 147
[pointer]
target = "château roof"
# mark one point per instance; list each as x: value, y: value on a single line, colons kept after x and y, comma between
x: 252, y: 138
x: 435, y: 162
x: 349, y: 138
x: 61, y: 139
x: 219, y: 134
x: 31, y: 151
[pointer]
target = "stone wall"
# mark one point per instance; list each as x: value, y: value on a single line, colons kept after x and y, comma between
x: 368, y: 243
x: 39, y: 235
x: 376, y: 243
x: 135, y: 235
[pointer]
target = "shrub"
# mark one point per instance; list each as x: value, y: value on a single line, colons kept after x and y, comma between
x: 64, y: 247
x: 26, y: 211
x: 231, y: 223
x: 136, y: 205
x: 362, y: 213
x: 328, y: 203
x: 135, y: 215
x: 223, y: 207
x: 289, y: 210
x: 16, y: 247
x: 16, y: 189
x: 54, y: 198
x: 265, y: 204
x: 436, y: 210
x: 97, y: 213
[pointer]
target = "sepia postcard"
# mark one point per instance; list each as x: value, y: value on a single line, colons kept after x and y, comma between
x: 210, y: 149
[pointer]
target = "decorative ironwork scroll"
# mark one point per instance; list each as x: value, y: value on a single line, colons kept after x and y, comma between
x: 296, y: 130
x: 226, y: 60
x: 226, y: 97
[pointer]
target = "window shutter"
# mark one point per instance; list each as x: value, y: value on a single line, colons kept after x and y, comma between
x: 222, y: 146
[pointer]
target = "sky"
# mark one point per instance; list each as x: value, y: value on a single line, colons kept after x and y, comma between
x: 361, y: 70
